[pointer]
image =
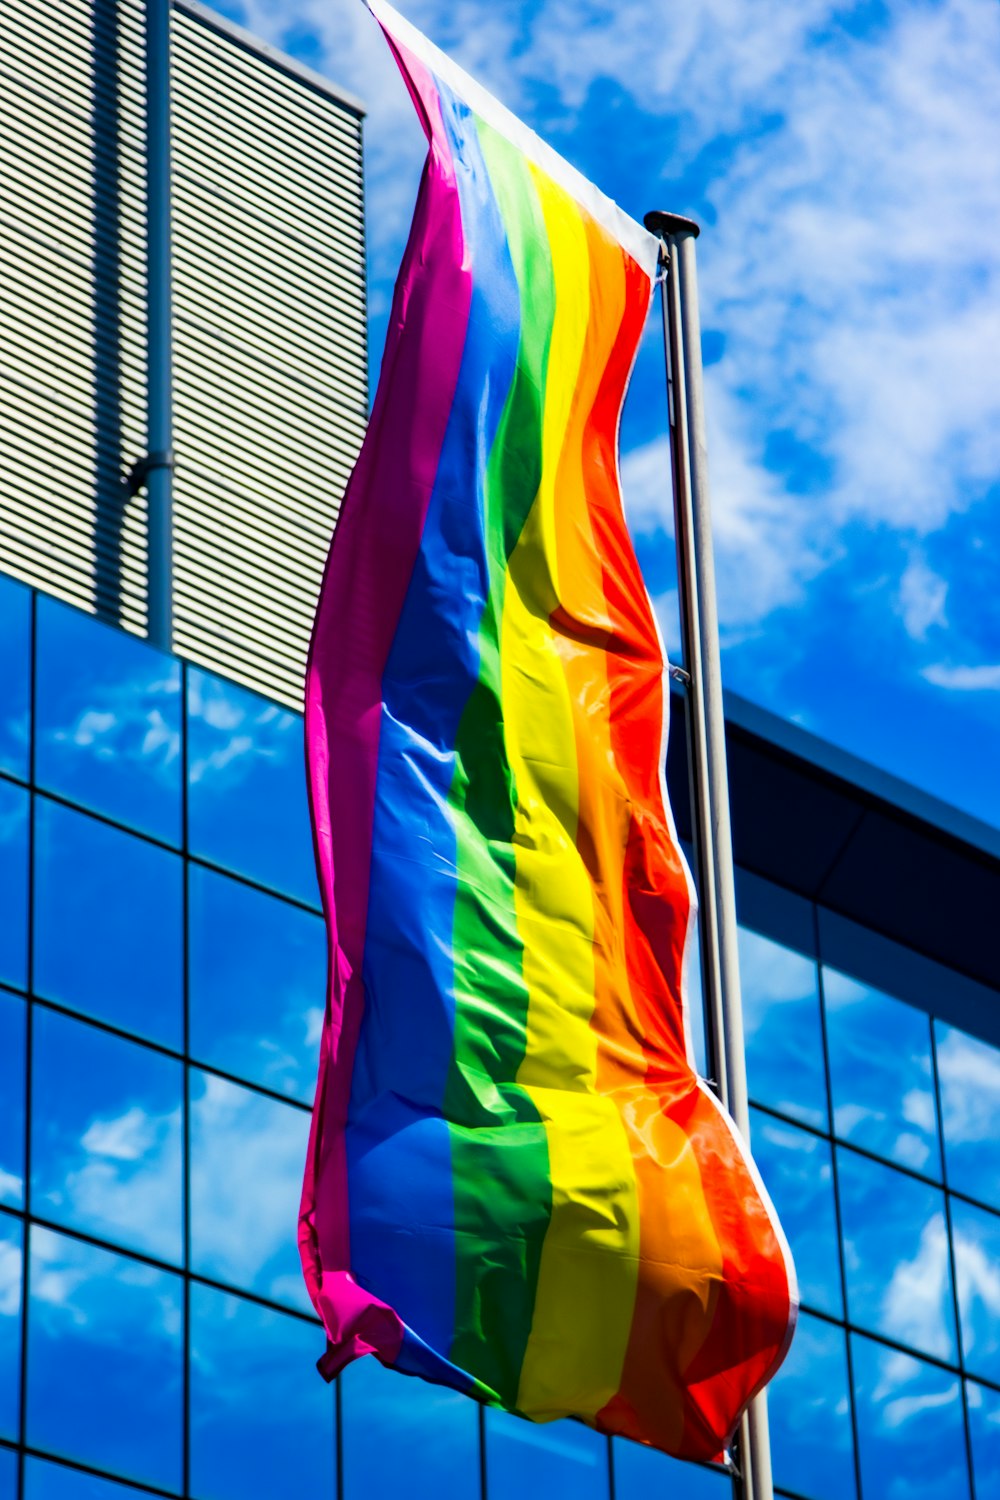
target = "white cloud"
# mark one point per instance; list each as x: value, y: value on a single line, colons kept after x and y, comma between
x: 851, y: 263
x: 918, y: 1292
x: 969, y: 1071
x: 921, y: 598
x: 979, y: 679
x: 10, y: 1279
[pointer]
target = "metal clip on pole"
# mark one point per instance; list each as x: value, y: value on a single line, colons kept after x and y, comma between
x: 713, y: 843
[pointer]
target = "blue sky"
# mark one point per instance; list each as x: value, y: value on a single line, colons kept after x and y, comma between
x: 844, y: 162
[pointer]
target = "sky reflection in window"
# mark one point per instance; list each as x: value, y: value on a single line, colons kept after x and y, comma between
x: 911, y: 1436
x: 984, y: 1431
x: 798, y: 1173
x: 642, y: 1473
x: 104, y: 1360
x: 784, y: 1039
x: 15, y: 675
x: 108, y: 924
x: 426, y: 1432
x: 13, y: 1023
x: 896, y: 1255
x: 247, y: 1155
x: 8, y: 1474
x: 247, y: 807
x: 969, y: 1080
x: 11, y: 1250
x: 881, y: 1075
x: 809, y: 1407
x: 108, y: 721
x: 976, y: 1236
x: 257, y: 974
x: 14, y: 812
x: 106, y: 1136
x: 49, y: 1481
x: 261, y: 1415
x: 548, y: 1458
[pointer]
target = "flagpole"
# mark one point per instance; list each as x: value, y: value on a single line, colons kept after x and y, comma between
x: 706, y: 730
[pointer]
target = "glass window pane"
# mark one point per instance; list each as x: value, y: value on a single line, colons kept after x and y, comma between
x: 257, y: 975
x: 547, y: 1458
x: 881, y: 1075
x: 911, y: 1433
x: 11, y: 1249
x: 106, y: 1136
x: 896, y: 1255
x: 784, y: 1037
x: 108, y: 721
x: 110, y: 945
x: 643, y: 1474
x: 976, y: 1236
x: 15, y: 676
x: 104, y: 1359
x: 50, y: 1481
x: 14, y: 809
x: 13, y: 1021
x: 426, y: 1432
x: 984, y: 1430
x: 261, y: 1415
x: 8, y: 1474
x: 969, y: 1075
x: 247, y: 1156
x: 809, y: 1407
x: 798, y: 1172
x: 247, y: 807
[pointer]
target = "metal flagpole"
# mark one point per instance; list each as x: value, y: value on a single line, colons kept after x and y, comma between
x: 713, y: 843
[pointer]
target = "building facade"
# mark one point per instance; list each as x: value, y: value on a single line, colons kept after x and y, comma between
x: 162, y: 952
x: 268, y: 353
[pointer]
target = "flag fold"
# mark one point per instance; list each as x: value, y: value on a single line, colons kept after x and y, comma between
x: 516, y: 1184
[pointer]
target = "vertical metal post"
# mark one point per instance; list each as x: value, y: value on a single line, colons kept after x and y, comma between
x: 713, y: 841
x: 157, y: 467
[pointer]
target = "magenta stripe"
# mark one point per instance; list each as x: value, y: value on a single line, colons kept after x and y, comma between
x: 367, y: 574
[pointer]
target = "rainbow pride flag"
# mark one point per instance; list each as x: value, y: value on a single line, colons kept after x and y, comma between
x: 516, y: 1184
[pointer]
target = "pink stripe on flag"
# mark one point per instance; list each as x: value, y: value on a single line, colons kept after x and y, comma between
x: 367, y: 575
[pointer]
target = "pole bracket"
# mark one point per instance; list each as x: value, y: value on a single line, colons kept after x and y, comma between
x: 680, y: 674
x: 142, y: 468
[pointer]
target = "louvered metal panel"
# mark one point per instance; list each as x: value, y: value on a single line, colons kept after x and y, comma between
x: 270, y: 357
x: 72, y: 319
x: 270, y: 353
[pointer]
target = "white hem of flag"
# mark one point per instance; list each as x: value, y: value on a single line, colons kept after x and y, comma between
x: 643, y: 247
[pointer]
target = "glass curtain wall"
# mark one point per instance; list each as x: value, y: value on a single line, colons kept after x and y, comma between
x: 162, y: 974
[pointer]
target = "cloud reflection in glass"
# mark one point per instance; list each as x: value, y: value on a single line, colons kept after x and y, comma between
x: 911, y: 1435
x: 896, y: 1255
x: 969, y: 1079
x: 257, y: 983
x: 798, y: 1173
x: 247, y: 807
x: 784, y: 1041
x: 106, y: 1136
x: 11, y: 1250
x: 108, y: 721
x: 261, y: 1415
x: 105, y: 1352
x: 881, y: 1075
x: 247, y: 1155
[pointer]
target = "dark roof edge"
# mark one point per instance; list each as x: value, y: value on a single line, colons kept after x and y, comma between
x: 845, y: 767
x: 264, y: 50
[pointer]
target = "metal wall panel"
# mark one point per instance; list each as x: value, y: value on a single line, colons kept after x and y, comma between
x: 72, y: 267
x: 270, y: 356
x: 270, y: 351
